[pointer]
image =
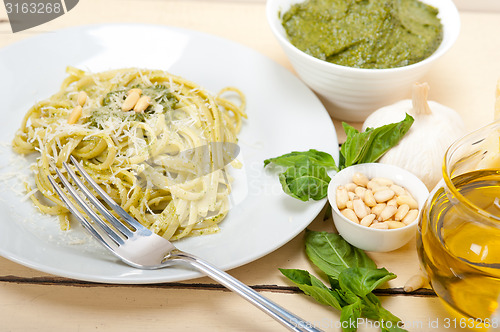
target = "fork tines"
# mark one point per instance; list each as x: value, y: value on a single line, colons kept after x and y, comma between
x: 119, y: 230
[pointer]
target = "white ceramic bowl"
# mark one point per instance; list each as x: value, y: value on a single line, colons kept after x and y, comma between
x: 367, y: 238
x: 351, y: 94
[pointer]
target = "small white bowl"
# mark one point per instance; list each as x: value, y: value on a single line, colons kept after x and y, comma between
x: 351, y: 94
x: 367, y: 238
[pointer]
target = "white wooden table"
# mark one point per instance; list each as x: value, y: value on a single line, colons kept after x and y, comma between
x: 464, y: 79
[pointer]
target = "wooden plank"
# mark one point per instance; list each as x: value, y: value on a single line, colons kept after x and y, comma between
x: 82, y: 308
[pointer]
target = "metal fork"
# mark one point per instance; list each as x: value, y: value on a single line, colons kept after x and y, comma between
x: 137, y: 246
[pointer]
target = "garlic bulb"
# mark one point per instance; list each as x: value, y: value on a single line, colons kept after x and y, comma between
x: 422, y: 149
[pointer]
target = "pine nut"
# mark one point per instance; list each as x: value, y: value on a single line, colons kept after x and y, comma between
x: 351, y: 186
x: 369, y: 199
x: 378, y: 188
x: 131, y: 100
x: 349, y: 214
x: 367, y: 220
x: 351, y: 195
x: 349, y: 205
x: 392, y: 202
x: 383, y: 195
x: 401, y: 212
x: 372, y: 184
x: 360, y: 191
x: 142, y: 104
x: 395, y: 224
x: 397, y: 189
x: 410, y: 217
x: 406, y: 199
x: 76, y: 113
x: 360, y: 179
x: 135, y: 90
x: 383, y: 181
x: 387, y: 212
x: 82, y: 98
x: 359, y: 208
x: 377, y: 209
x: 379, y: 225
x: 341, y: 197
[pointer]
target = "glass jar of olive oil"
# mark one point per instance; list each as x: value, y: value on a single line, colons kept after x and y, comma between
x: 458, y: 238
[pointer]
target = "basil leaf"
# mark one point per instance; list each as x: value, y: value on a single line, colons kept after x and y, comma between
x: 347, y: 296
x: 306, y: 174
x: 362, y: 281
x: 334, y: 283
x: 349, y: 316
x: 352, y: 276
x: 312, y: 286
x: 370, y: 145
x: 296, y: 158
x: 332, y: 254
x: 386, y: 316
x: 372, y: 309
x: 305, y: 182
x: 353, y: 146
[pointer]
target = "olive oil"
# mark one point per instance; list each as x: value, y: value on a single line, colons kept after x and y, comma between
x: 459, y: 244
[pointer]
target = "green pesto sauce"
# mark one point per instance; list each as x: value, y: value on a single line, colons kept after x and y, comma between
x: 364, y: 33
x: 111, y: 105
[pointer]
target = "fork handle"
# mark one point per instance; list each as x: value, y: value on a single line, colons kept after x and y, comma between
x: 286, y: 318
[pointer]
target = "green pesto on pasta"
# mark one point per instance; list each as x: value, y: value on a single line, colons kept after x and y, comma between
x: 151, y: 160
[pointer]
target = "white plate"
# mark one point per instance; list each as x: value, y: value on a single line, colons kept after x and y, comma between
x: 283, y: 115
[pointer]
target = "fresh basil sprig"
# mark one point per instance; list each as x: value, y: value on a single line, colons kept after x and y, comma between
x: 370, y: 145
x: 306, y: 176
x: 352, y: 276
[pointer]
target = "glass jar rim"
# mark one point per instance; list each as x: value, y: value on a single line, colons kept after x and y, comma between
x: 446, y: 168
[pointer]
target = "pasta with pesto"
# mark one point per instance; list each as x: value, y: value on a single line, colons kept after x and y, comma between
x: 158, y: 144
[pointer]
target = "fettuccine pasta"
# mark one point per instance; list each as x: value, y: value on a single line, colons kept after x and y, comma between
x: 157, y: 143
